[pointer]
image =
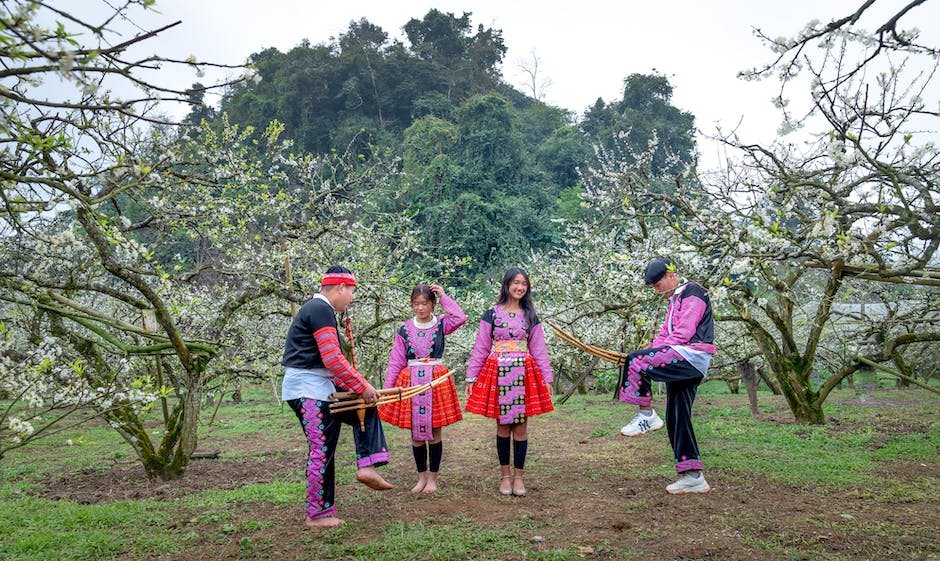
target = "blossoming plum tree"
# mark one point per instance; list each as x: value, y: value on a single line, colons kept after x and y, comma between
x: 784, y: 226
x: 144, y: 263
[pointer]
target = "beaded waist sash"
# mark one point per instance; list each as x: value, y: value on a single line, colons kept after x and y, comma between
x: 425, y: 362
x: 509, y: 346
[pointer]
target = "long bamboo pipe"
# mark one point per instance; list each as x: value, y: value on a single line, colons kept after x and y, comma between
x: 614, y: 357
x: 349, y: 401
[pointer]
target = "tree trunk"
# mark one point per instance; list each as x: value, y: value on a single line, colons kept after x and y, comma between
x: 579, y: 382
x: 804, y: 402
x: 734, y: 385
x: 168, y: 461
x: 905, y: 369
x: 774, y: 387
x: 749, y: 373
x: 189, y: 431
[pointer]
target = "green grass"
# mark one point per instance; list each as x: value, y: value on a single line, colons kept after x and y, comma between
x: 915, y: 447
x: 844, y: 455
x: 277, y: 493
x: 38, y: 529
x: 94, y: 446
x: 800, y: 455
x: 260, y: 414
x: 796, y: 454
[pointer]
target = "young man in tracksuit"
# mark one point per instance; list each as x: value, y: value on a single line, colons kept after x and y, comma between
x: 679, y: 357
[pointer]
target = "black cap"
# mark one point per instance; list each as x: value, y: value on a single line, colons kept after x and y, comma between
x: 657, y: 269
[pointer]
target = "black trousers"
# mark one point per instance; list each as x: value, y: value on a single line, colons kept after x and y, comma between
x: 322, y: 428
x: 664, y: 364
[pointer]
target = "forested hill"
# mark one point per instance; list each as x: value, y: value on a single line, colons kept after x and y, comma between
x: 480, y: 156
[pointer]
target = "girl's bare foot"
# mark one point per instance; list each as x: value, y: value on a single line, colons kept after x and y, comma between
x: 422, y: 482
x: 371, y: 479
x: 325, y: 522
x: 431, y: 484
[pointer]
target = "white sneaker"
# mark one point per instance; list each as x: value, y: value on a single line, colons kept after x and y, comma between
x: 689, y: 483
x: 642, y: 424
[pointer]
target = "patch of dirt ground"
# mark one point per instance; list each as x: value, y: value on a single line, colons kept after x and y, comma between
x: 591, y: 494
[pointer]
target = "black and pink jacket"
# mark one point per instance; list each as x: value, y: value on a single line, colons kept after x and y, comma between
x: 689, y: 327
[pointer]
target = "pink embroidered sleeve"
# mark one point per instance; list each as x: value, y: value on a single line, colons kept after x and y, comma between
x: 397, y: 361
x: 454, y: 316
x: 685, y: 319
x: 481, y: 350
x: 539, y: 352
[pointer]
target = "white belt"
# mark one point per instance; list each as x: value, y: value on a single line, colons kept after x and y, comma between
x: 321, y: 372
x: 425, y: 362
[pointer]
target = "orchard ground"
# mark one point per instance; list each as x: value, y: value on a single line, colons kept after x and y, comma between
x: 864, y: 486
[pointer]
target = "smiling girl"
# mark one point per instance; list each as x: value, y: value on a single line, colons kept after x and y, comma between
x: 415, y: 360
x: 509, y: 376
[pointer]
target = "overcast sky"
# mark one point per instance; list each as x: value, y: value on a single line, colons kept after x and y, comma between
x: 586, y: 48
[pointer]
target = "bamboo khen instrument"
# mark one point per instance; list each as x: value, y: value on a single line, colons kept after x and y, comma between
x: 614, y: 357
x: 355, y: 364
x: 349, y: 401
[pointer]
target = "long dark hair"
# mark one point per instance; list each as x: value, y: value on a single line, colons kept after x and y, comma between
x: 423, y: 290
x: 528, y: 308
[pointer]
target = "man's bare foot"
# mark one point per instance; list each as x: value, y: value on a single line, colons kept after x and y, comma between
x: 325, y: 522
x: 431, y: 485
x: 371, y: 479
x: 422, y: 481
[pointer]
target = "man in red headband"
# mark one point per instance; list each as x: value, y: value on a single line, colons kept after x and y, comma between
x: 314, y: 366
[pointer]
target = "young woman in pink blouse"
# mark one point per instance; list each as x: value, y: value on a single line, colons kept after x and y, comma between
x: 509, y: 376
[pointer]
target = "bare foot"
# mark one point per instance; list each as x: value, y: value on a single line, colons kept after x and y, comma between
x: 325, y: 522
x: 371, y: 479
x: 431, y: 484
x: 422, y: 482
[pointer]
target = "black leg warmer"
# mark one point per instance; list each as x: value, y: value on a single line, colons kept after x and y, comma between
x: 421, y: 457
x: 519, y: 449
x: 502, y: 450
x: 435, y: 453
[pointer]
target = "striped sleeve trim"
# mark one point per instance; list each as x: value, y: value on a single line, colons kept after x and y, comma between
x: 344, y: 375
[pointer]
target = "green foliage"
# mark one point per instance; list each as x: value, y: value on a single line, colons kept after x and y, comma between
x: 425, y: 140
x: 488, y: 168
x: 360, y: 89
x: 471, y: 189
x: 645, y: 110
x: 488, y: 148
x: 561, y: 153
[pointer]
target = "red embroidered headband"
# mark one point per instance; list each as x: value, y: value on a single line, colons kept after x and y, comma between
x: 338, y: 278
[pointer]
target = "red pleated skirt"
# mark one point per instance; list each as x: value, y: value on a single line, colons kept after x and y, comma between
x: 444, y: 411
x: 486, y: 391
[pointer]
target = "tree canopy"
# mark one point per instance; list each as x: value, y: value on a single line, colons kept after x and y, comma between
x: 489, y: 169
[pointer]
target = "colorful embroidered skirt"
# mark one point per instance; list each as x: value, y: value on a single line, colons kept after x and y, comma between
x: 510, y: 388
x: 423, y: 412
